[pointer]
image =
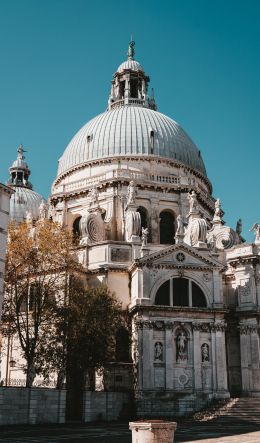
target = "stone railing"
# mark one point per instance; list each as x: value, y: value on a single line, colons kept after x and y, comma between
x: 16, y: 382
x: 130, y: 101
x: 89, y: 182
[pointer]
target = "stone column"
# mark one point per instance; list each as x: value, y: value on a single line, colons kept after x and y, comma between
x: 138, y: 354
x: 169, y: 354
x: 221, y: 366
x: 255, y: 358
x: 213, y: 349
x: 147, y: 370
x: 245, y: 358
x: 217, y: 289
x: 197, y: 356
x: 257, y: 285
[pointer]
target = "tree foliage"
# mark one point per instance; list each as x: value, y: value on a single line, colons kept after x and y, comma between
x: 82, y: 337
x: 39, y: 260
x: 62, y: 326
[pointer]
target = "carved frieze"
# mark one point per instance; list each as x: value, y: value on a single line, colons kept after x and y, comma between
x: 200, y: 326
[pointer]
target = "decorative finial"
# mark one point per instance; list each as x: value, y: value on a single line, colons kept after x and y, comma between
x: 20, y: 151
x: 131, y: 51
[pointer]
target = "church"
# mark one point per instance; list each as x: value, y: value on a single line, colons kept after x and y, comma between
x: 133, y: 188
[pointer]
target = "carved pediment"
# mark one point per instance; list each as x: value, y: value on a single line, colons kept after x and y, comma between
x: 180, y: 255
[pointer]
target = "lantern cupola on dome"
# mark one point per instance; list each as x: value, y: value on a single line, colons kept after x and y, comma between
x: 130, y: 84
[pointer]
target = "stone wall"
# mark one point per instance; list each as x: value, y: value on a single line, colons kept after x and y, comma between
x: 169, y: 405
x: 31, y: 406
x: 106, y: 406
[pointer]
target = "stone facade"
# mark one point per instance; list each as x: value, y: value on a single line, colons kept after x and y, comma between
x: 133, y: 188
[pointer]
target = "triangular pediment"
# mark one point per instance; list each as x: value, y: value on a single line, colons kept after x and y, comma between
x: 180, y: 255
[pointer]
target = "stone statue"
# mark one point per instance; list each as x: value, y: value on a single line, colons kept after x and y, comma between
x: 182, y: 353
x: 43, y: 210
x: 28, y: 217
x: 94, y: 195
x: 131, y: 193
x: 193, y: 201
x: 205, y: 353
x: 180, y: 226
x: 239, y: 227
x: 218, y: 210
x: 144, y: 236
x: 256, y: 230
x: 158, y: 351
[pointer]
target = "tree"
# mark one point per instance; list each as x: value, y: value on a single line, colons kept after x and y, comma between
x: 82, y: 339
x: 39, y: 262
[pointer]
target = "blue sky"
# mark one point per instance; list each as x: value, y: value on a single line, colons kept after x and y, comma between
x: 58, y: 57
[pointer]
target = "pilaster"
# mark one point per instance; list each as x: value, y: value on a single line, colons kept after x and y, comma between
x: 169, y: 354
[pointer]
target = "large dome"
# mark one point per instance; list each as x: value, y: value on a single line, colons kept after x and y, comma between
x: 131, y: 130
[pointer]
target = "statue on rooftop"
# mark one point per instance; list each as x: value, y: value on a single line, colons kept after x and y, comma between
x: 256, y: 230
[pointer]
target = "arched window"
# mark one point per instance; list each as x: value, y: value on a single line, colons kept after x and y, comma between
x: 143, y: 214
x: 76, y: 229
x: 167, y: 228
x: 163, y: 294
x: 180, y: 292
x: 122, y: 345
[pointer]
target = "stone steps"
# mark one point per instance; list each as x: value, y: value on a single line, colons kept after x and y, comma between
x: 231, y: 412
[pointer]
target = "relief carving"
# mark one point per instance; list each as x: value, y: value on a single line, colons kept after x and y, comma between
x: 120, y: 255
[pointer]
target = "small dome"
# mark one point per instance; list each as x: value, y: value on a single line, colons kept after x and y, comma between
x: 133, y: 65
x: 24, y: 200
x: 131, y: 130
x: 19, y: 163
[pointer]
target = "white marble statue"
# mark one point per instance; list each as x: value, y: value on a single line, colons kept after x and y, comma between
x: 182, y: 346
x: 205, y: 353
x: 43, y: 210
x: 131, y: 193
x: 94, y: 195
x: 218, y: 210
x: 180, y: 226
x: 192, y: 197
x: 256, y: 230
x: 158, y: 351
x: 28, y: 217
x: 145, y: 233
